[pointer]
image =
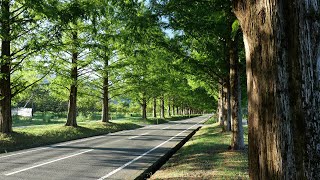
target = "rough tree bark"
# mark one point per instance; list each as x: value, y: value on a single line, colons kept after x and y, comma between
x: 237, y: 140
x: 105, y: 93
x: 72, y: 108
x: 154, y: 107
x: 282, y: 42
x: 5, y: 68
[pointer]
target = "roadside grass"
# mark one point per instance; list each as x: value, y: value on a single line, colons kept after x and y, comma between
x: 34, y: 135
x: 50, y: 118
x: 30, y: 137
x: 206, y: 156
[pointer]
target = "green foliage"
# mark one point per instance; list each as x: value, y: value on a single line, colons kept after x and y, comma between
x: 124, y: 42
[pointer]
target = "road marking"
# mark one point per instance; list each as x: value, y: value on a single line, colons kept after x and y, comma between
x: 165, y: 127
x: 138, y: 135
x: 38, y: 149
x: 65, y: 143
x: 77, y: 141
x: 142, y: 155
x: 49, y: 162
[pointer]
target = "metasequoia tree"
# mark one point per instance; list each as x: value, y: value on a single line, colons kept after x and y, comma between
x: 22, y: 36
x: 282, y: 40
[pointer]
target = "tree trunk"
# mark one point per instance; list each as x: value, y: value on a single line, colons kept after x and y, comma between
x: 169, y: 109
x: 237, y: 140
x: 173, y: 110
x: 105, y: 101
x: 177, y: 109
x: 5, y: 63
x: 226, y: 111
x: 282, y: 42
x: 162, y: 107
x: 220, y: 106
x: 154, y: 107
x: 144, y: 109
x: 72, y: 109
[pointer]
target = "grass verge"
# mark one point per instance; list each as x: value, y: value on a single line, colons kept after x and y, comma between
x: 38, y: 136
x: 153, y: 121
x: 206, y: 156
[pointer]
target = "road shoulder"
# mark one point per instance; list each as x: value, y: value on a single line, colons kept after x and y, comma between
x: 206, y: 156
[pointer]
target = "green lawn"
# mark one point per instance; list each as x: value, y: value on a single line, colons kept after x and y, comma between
x: 206, y: 156
x: 149, y: 121
x: 50, y: 118
x: 23, y: 138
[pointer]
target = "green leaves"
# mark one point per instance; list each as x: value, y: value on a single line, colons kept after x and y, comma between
x: 235, y: 28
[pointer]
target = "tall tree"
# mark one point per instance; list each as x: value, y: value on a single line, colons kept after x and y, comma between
x: 5, y: 89
x: 72, y: 107
x: 22, y: 35
x: 237, y: 140
x: 282, y: 51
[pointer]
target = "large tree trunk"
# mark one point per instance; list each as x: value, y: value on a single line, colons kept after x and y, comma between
x: 162, y: 111
x: 282, y: 42
x: 105, y: 101
x: 154, y: 107
x: 144, y: 108
x: 72, y: 108
x: 5, y: 63
x: 237, y: 140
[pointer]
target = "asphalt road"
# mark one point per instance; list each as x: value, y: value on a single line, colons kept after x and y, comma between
x: 121, y: 155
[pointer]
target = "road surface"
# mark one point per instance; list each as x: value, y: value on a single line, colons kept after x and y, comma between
x: 121, y: 155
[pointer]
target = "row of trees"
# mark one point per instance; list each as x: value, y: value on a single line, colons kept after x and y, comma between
x: 95, y: 50
x: 106, y: 48
x: 281, y: 42
x: 210, y: 52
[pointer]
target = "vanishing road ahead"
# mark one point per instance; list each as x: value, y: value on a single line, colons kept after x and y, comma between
x: 122, y: 155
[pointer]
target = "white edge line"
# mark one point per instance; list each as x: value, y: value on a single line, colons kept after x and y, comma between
x: 135, y: 159
x: 15, y: 172
x: 72, y: 142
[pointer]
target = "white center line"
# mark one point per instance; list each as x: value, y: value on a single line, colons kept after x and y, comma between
x: 139, y: 135
x: 137, y: 158
x: 42, y: 164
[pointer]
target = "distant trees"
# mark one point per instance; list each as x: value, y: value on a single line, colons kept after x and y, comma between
x: 208, y: 49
